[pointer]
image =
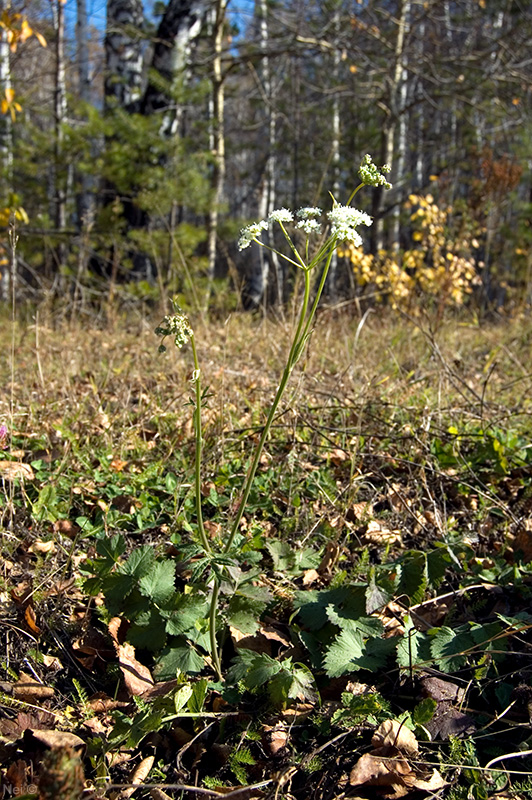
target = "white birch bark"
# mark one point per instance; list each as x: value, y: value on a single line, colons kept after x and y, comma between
x: 217, y: 130
x: 6, y: 147
x: 6, y: 125
x: 60, y: 113
x: 123, y: 53
x: 332, y: 278
x: 267, y: 195
x: 85, y: 199
x: 395, y: 112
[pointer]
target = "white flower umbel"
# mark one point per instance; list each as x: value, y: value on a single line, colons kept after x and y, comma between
x: 281, y: 215
x: 307, y: 221
x: 370, y: 175
x: 309, y: 226
x: 344, y: 221
x: 308, y: 212
x: 176, y: 325
x: 251, y: 233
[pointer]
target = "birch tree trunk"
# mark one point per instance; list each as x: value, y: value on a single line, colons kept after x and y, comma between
x: 60, y: 113
x: 180, y: 24
x: 85, y: 199
x: 6, y: 146
x: 267, y: 195
x: 123, y: 54
x: 217, y: 132
x: 332, y: 278
x: 396, y: 81
x: 6, y: 125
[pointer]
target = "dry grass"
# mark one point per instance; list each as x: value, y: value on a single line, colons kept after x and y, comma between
x: 73, y: 372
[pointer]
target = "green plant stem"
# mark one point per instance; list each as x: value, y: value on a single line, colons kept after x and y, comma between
x: 212, y: 627
x: 354, y: 192
x: 295, y: 351
x: 199, y: 448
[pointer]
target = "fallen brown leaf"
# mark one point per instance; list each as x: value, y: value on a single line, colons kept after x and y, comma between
x: 137, y: 677
x: 158, y: 794
x: 31, y: 691
x: 138, y: 776
x: 329, y: 558
x: 361, y: 511
x: 275, y: 738
x: 13, y: 470
x: 439, y: 689
x: 310, y: 577
x: 392, y: 733
x: 38, y: 546
x: 298, y: 712
x: 54, y: 739
x: 379, y: 768
x: 378, y: 533
x: 66, y: 528
x: 31, y: 620
x: 18, y: 776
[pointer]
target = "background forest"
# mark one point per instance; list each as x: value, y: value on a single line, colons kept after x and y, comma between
x: 133, y: 148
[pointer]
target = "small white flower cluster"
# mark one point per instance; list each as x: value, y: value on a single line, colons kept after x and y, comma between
x: 176, y: 325
x: 251, y: 233
x: 370, y: 174
x: 344, y: 221
x: 307, y: 221
x: 281, y: 215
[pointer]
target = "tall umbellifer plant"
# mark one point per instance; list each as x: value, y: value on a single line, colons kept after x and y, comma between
x: 342, y: 223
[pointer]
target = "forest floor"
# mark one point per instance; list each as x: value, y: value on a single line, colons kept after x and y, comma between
x: 383, y: 645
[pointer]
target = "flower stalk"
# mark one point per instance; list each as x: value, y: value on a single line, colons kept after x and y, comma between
x: 343, y: 221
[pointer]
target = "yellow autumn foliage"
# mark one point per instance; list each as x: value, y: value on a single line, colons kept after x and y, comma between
x: 438, y: 271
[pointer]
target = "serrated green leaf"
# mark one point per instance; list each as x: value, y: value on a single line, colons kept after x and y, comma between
x: 361, y: 707
x: 188, y: 610
x: 240, y: 665
x: 139, y: 563
x: 413, y: 579
x: 306, y: 558
x: 303, y: 685
x: 148, y: 631
x: 413, y: 648
x: 178, y: 659
x: 116, y: 587
x: 344, y: 654
x: 261, y: 670
x: 449, y: 648
x: 243, y: 613
x: 281, y: 554
x: 255, y: 592
x: 158, y: 584
x: 378, y: 650
x: 111, y: 548
x: 438, y: 561
x: 519, y: 621
x: 254, y: 669
x: 350, y: 601
x: 279, y: 688
x: 368, y: 626
x: 376, y: 596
